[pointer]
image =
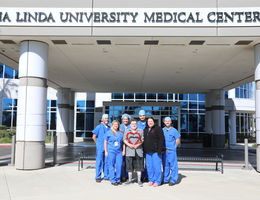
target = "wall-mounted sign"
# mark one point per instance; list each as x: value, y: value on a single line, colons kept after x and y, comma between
x: 130, y: 17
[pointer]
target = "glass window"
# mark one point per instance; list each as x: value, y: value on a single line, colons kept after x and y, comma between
x: 162, y: 96
x: 151, y: 96
x: 8, y: 72
x: 193, y: 97
x: 7, y: 104
x: 183, y: 96
x: 117, y: 95
x: 184, y: 104
x: 170, y: 96
x: 80, y: 121
x: 201, y: 97
x: 192, y: 105
x: 201, y: 123
x: 90, y: 103
x: 53, y: 103
x: 53, y: 121
x: 193, y: 123
x: 184, y: 122
x: 6, y: 119
x: 140, y: 95
x: 1, y: 70
x: 129, y: 95
x: 81, y: 103
x: 16, y: 75
x: 89, y: 121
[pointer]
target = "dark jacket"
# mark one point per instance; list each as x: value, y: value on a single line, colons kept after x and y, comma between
x: 153, y: 140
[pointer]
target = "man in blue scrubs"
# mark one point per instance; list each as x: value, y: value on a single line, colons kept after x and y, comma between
x: 125, y: 122
x: 141, y: 124
x: 172, y: 140
x: 99, y: 137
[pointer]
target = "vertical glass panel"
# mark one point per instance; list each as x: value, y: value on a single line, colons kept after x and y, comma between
x: 6, y: 119
x: 184, y: 122
x: 1, y: 70
x: 193, y: 123
x: 53, y: 121
x: 8, y: 72
x: 80, y: 121
x: 89, y: 121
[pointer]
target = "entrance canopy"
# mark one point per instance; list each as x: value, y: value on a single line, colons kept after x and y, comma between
x: 142, y: 64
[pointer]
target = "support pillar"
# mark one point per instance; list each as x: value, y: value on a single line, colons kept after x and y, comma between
x: 232, y: 128
x: 32, y: 103
x: 71, y: 118
x: 63, y: 116
x: 218, y: 118
x: 257, y: 104
x: 208, y: 122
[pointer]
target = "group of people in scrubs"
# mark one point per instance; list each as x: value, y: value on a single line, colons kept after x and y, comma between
x: 122, y: 149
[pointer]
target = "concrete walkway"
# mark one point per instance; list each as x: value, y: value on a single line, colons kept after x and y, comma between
x: 66, y: 183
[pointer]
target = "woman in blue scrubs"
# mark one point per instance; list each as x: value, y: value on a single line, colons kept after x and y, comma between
x: 153, y: 147
x: 114, y: 151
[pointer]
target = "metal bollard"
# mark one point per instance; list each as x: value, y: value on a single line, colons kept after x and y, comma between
x: 54, y: 149
x: 246, y: 154
x: 13, y: 150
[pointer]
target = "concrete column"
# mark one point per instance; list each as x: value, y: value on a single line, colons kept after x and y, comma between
x: 63, y: 116
x: 32, y: 103
x: 232, y: 128
x: 71, y: 118
x: 218, y: 118
x: 257, y: 103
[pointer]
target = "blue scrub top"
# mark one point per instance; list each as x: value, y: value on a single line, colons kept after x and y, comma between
x: 114, y: 141
x: 100, y: 132
x: 141, y: 125
x: 170, y: 137
x: 123, y: 128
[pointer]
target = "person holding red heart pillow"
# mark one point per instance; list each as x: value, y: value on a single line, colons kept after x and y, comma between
x: 133, y: 139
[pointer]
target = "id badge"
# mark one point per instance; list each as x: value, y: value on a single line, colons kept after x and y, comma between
x: 116, y: 144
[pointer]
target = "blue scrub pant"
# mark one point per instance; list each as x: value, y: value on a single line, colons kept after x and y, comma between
x: 170, y: 166
x: 124, y: 173
x: 154, y: 167
x: 115, y: 166
x: 101, y: 164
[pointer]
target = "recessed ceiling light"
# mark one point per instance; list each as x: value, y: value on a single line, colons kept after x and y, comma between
x: 7, y: 41
x: 243, y: 42
x: 104, y: 42
x: 59, y: 42
x: 197, y: 42
x: 151, y: 42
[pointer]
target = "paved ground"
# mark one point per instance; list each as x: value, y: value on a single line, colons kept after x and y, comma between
x: 66, y: 183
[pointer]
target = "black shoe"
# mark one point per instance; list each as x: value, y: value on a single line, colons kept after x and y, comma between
x: 115, y: 184
x: 171, y: 184
x: 119, y: 183
x: 98, y: 180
